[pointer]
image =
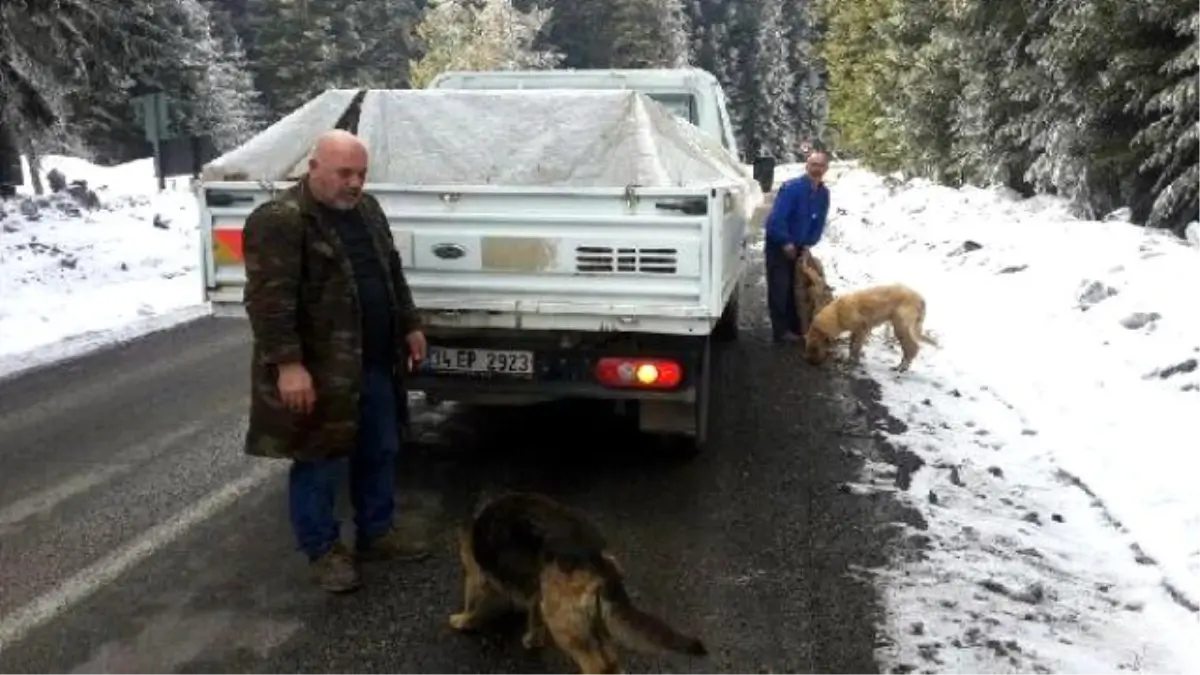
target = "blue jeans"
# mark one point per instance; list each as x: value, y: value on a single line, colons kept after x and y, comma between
x: 312, y: 485
x: 781, y: 299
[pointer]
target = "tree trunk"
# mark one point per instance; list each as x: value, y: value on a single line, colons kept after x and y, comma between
x: 35, y: 167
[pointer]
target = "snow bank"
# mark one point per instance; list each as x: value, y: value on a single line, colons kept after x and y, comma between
x: 90, y: 276
x: 1056, y: 423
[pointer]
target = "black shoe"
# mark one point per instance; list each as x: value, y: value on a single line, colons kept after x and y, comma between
x: 787, y: 339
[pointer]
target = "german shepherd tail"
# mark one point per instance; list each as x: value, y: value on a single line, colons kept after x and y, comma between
x: 637, y: 629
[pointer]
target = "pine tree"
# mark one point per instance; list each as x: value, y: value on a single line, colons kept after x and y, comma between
x: 491, y: 35
x: 1173, y: 135
x: 581, y: 30
x: 925, y: 38
x: 386, y: 43
x: 676, y: 28
x: 1000, y: 80
x: 768, y: 125
x: 810, y: 102
x: 290, y: 51
x: 734, y: 63
x: 226, y: 103
x: 648, y: 34
x: 42, y: 51
x: 861, y: 63
x: 1102, y: 59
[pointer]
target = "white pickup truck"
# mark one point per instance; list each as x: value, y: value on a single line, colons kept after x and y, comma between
x: 532, y: 293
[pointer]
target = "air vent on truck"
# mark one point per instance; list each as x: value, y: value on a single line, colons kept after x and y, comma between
x: 607, y: 259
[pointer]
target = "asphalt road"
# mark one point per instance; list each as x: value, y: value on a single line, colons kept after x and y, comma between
x: 135, y: 537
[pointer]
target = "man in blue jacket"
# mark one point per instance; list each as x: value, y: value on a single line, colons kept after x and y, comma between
x: 796, y: 223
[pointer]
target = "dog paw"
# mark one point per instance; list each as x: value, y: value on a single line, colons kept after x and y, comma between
x: 461, y: 621
x: 532, y: 641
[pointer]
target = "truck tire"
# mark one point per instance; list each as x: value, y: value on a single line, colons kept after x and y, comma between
x: 726, y: 329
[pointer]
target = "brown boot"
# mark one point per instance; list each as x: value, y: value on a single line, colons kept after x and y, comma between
x: 335, y: 571
x: 394, y: 545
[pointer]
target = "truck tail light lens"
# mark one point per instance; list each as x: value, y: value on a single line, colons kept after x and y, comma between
x: 617, y: 371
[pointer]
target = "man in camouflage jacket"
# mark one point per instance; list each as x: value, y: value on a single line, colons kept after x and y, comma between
x: 334, y: 330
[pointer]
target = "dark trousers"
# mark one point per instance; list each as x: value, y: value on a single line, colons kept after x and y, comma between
x: 781, y: 300
x: 312, y: 485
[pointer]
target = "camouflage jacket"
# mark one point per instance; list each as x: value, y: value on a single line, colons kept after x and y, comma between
x: 303, y: 306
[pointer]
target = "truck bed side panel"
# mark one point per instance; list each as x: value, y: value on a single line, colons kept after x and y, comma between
x: 516, y: 257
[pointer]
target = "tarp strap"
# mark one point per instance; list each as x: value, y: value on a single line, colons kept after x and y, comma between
x: 349, y: 119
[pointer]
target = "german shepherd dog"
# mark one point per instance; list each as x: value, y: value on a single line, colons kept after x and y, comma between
x: 529, y: 551
x: 860, y: 312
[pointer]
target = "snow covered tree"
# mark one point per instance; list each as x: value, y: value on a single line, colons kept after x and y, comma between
x: 85, y: 55
x: 676, y: 31
x: 720, y: 42
x: 616, y: 33
x: 289, y: 51
x: 648, y: 34
x: 1096, y: 65
x: 806, y: 71
x: 492, y: 35
x: 580, y: 30
x: 925, y: 38
x: 1173, y: 137
x: 1000, y: 89
x: 43, y: 47
x: 386, y: 43
x: 861, y: 63
x: 224, y: 102
x: 1094, y: 100
x: 767, y: 123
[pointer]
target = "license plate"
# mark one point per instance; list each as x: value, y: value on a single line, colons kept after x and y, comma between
x: 504, y: 361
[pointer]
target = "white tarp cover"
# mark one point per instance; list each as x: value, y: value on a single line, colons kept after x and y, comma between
x: 281, y: 150
x: 555, y: 138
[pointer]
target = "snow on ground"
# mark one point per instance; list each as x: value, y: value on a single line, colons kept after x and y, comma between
x: 1055, y: 422
x: 73, y: 278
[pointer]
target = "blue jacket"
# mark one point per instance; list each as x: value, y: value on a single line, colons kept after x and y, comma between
x: 799, y: 213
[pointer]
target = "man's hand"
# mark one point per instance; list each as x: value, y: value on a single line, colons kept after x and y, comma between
x: 296, y: 388
x: 417, y: 348
x: 790, y: 251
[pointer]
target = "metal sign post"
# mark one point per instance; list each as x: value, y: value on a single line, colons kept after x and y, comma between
x: 153, y: 109
x: 175, y: 153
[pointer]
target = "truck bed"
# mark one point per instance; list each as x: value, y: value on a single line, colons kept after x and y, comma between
x: 662, y: 260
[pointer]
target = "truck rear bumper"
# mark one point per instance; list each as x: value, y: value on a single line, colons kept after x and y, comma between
x: 499, y: 392
x: 229, y: 304
x: 563, y: 365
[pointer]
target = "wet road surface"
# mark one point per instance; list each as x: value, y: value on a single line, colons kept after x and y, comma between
x: 135, y: 537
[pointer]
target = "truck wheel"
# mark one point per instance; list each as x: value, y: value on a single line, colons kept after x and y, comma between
x: 726, y: 329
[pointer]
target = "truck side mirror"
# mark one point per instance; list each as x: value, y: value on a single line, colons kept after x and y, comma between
x: 764, y: 173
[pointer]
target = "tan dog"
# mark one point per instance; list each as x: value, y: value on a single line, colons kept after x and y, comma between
x: 860, y: 312
x: 811, y: 292
x: 528, y: 551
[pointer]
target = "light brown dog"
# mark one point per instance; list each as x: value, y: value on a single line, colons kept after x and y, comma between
x: 810, y: 291
x: 529, y: 552
x: 859, y: 313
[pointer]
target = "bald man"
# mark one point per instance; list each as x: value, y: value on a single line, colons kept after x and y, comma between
x: 335, y: 329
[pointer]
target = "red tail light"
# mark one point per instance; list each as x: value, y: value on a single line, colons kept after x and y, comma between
x: 227, y: 246
x: 639, y: 373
